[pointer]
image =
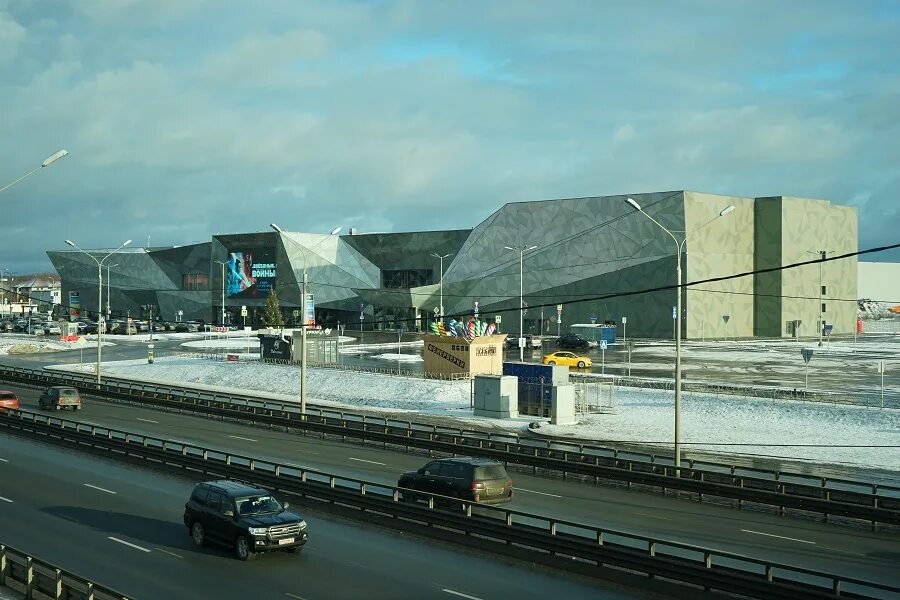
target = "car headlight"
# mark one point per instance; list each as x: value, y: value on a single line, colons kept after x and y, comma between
x: 258, y: 530
x: 302, y: 525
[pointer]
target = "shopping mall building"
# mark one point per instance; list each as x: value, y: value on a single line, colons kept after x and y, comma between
x: 598, y: 258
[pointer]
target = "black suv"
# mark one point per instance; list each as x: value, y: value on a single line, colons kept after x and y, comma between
x: 571, y: 341
x: 477, y: 479
x: 243, y: 517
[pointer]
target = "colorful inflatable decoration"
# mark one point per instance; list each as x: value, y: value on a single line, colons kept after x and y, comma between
x: 461, y: 329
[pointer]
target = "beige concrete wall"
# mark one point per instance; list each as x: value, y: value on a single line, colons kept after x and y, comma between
x: 718, y: 247
x: 809, y: 226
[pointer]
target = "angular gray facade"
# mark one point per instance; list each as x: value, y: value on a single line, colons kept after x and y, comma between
x: 597, y: 256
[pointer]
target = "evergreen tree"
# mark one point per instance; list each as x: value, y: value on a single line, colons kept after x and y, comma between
x: 273, y: 317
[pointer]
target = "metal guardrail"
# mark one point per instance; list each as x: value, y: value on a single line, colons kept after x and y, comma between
x: 27, y: 575
x: 556, y: 542
x: 830, y: 497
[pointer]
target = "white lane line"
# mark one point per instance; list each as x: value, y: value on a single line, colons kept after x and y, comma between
x: 237, y: 437
x: 778, y: 536
x: 290, y: 595
x: 460, y: 594
x: 147, y: 420
x: 3, y: 460
x: 129, y: 544
x: 652, y: 516
x: 5, y: 499
x: 367, y: 461
x: 99, y: 488
x: 167, y: 552
x: 518, y: 489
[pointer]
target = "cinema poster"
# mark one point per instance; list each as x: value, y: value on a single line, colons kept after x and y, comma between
x: 250, y: 273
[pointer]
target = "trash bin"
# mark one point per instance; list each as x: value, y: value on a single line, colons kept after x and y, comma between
x: 150, y: 353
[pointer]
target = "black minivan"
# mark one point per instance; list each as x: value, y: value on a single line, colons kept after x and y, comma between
x: 242, y: 517
x: 477, y: 479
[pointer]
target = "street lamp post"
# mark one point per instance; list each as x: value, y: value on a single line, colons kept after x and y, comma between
x: 223, y: 290
x: 108, y: 290
x: 99, y: 295
x: 334, y: 231
x: 521, y: 250
x: 47, y: 162
x: 441, y: 281
x: 679, y: 246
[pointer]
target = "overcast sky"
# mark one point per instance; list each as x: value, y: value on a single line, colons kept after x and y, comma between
x: 186, y: 118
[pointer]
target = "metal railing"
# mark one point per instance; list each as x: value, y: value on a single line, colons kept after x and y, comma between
x: 824, y: 495
x: 542, y: 539
x: 28, y: 575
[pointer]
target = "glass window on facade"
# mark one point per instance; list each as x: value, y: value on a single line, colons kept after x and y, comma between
x: 406, y: 278
x: 195, y: 281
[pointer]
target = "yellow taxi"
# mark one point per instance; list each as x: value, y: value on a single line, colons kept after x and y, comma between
x: 569, y: 359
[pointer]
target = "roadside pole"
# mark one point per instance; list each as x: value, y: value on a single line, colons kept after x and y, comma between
x: 603, y: 357
x: 881, y: 370
x: 807, y: 354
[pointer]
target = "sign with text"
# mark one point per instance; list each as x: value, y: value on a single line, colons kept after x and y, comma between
x: 250, y: 273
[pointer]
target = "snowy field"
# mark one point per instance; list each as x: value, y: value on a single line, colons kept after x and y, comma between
x: 808, y: 431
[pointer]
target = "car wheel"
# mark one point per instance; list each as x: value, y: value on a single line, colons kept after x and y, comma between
x: 580, y: 364
x: 242, y: 548
x: 198, y: 534
x: 550, y: 362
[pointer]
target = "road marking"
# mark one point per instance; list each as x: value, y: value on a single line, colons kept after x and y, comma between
x: 167, y: 552
x: 778, y: 536
x: 3, y: 460
x: 147, y: 420
x: 99, y: 488
x: 5, y: 499
x: 653, y: 516
x: 518, y: 489
x: 135, y: 546
x: 290, y: 595
x: 367, y: 461
x: 237, y: 437
x: 460, y: 594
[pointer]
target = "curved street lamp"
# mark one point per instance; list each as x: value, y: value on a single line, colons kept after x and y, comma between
x: 47, y: 162
x: 100, y: 320
x: 521, y: 250
x: 334, y: 231
x: 679, y: 247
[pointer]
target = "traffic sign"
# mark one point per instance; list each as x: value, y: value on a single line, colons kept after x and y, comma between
x: 624, y: 320
x: 726, y: 317
x: 559, y: 308
x: 593, y: 319
x: 674, y: 312
x: 603, y: 344
x: 807, y: 354
x: 497, y: 319
x: 243, y: 311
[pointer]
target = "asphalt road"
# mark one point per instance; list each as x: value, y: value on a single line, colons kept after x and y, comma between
x: 848, y: 551
x: 123, y: 527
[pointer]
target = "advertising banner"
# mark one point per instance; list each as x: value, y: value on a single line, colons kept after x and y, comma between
x: 74, y: 304
x: 273, y: 347
x: 250, y: 274
x: 309, y: 315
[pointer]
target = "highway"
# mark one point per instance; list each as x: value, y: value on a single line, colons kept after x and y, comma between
x: 852, y: 551
x: 123, y: 526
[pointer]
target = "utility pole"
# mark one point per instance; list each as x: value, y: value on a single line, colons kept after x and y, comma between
x: 822, y: 256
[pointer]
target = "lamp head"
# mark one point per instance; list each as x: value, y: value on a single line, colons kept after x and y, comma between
x: 508, y: 248
x: 126, y: 243
x: 726, y: 210
x: 276, y: 227
x: 71, y: 243
x: 335, y: 231
x: 54, y: 157
x: 530, y: 248
x: 634, y: 204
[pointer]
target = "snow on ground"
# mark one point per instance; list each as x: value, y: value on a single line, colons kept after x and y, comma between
x: 709, y: 422
x: 28, y: 344
x: 400, y: 357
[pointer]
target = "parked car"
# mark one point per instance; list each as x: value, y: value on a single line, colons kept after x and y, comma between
x: 182, y: 327
x: 568, y: 359
x: 531, y: 341
x: 242, y: 517
x: 8, y: 400
x: 571, y: 340
x: 477, y: 479
x: 51, y: 328
x: 60, y: 396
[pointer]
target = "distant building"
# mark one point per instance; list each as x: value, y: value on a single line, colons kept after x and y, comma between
x: 597, y: 257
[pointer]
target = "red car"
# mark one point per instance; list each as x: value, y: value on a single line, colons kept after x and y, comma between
x: 8, y: 400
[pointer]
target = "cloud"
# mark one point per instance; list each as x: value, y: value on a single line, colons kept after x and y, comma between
x: 190, y: 118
